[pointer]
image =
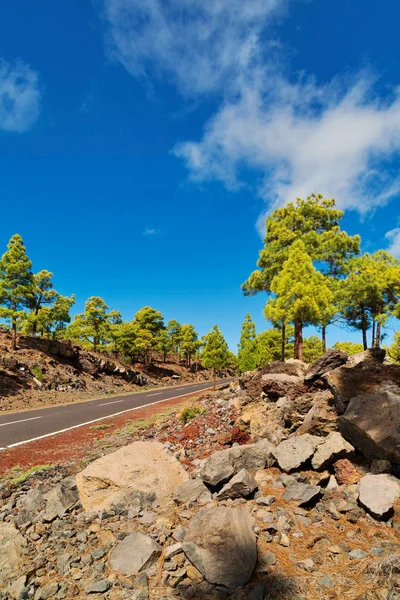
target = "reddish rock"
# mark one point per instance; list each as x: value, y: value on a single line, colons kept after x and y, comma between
x: 345, y: 472
x: 240, y: 437
x: 224, y: 438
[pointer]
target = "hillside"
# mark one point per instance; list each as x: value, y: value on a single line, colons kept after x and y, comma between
x: 44, y: 372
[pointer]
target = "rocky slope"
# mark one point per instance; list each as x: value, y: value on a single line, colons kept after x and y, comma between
x: 44, y: 372
x: 203, y: 511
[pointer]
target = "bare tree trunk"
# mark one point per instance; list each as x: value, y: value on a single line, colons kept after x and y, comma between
x: 364, y: 335
x: 298, y: 340
x: 14, y: 334
x: 283, y: 347
x: 214, y: 380
x: 373, y: 334
x: 378, y: 335
x: 323, y: 338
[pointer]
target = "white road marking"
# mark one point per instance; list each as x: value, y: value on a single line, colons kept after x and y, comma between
x: 19, y: 421
x: 107, y: 403
x: 157, y: 394
x: 40, y: 437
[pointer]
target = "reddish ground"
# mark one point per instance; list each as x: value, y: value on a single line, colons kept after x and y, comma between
x: 65, y: 447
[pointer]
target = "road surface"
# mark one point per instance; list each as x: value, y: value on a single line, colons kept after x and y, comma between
x: 21, y: 427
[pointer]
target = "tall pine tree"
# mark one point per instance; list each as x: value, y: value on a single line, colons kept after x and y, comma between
x: 247, y: 347
x: 16, y: 284
x: 215, y: 354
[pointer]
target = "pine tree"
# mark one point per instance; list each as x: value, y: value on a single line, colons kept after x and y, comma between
x: 16, y: 284
x: 315, y: 221
x: 94, y: 325
x: 190, y: 342
x: 44, y: 296
x: 215, y: 353
x: 247, y: 347
x: 302, y: 294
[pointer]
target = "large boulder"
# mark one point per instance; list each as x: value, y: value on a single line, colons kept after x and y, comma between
x: 296, y: 451
x: 363, y: 374
x: 12, y: 545
x: 372, y: 418
x: 327, y: 362
x: 240, y: 486
x: 263, y: 420
x: 333, y: 447
x: 142, y: 466
x: 135, y: 553
x: 222, y: 465
x: 278, y: 385
x: 313, y: 412
x: 378, y: 494
x: 221, y: 544
x: 275, y: 380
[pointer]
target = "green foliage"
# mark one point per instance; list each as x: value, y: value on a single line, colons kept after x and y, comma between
x: 93, y: 327
x: 189, y: 413
x: 393, y: 351
x: 16, y: 284
x: 269, y: 345
x: 174, y: 330
x: 247, y: 347
x: 190, y: 343
x: 37, y: 372
x: 215, y: 353
x: 302, y: 294
x: 148, y: 324
x: 23, y: 475
x: 312, y: 349
x: 349, y: 347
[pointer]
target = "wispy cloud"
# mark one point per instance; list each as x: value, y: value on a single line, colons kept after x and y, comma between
x: 298, y: 137
x: 150, y: 231
x: 393, y: 238
x: 19, y: 96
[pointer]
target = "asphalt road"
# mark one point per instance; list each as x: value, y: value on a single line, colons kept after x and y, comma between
x: 21, y: 427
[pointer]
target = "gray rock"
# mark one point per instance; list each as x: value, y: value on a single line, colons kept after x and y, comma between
x: 380, y: 466
x: 173, y: 550
x: 240, y: 486
x: 265, y: 500
x: 326, y: 582
x: 333, y: 447
x: 191, y: 491
x: 378, y: 494
x: 357, y: 554
x: 47, y: 591
x: 221, y: 544
x: 135, y: 553
x: 59, y: 500
x: 222, y: 465
x: 327, y: 362
x: 268, y: 558
x: 302, y: 493
x: 18, y: 590
x: 295, y: 451
x: 98, y: 587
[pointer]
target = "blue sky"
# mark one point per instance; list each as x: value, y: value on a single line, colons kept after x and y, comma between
x: 142, y: 142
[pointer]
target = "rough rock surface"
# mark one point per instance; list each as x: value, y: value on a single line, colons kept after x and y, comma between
x: 240, y: 486
x: 144, y: 466
x: 327, y: 362
x: 221, y: 544
x: 378, y: 494
x: 190, y: 491
x: 289, y: 380
x: 371, y: 421
x: 135, y: 553
x: 302, y: 492
x: 296, y: 451
x: 333, y: 448
x: 12, y: 544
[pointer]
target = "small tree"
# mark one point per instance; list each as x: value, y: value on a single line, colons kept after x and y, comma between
x: 269, y: 345
x: 16, y: 284
x: 148, y: 323
x: 302, y: 294
x: 349, y: 347
x: 247, y: 347
x: 174, y: 330
x: 215, y: 354
x: 44, y: 296
x: 190, y: 342
x: 93, y: 326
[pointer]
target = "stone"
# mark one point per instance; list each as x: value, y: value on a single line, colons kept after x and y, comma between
x: 58, y: 501
x: 275, y: 380
x: 221, y: 544
x: 18, y: 590
x: 295, y: 451
x: 380, y: 466
x: 327, y: 362
x: 12, y: 544
x: 98, y: 587
x: 345, y: 472
x: 222, y: 465
x: 173, y: 550
x: 326, y: 582
x: 265, y: 500
x: 134, y: 553
x: 378, y: 494
x: 240, y: 486
x: 375, y: 438
x: 357, y: 554
x: 278, y: 385
x: 333, y: 447
x: 47, y: 591
x: 302, y: 493
x: 307, y: 565
x: 191, y: 491
x: 144, y: 466
x: 268, y: 558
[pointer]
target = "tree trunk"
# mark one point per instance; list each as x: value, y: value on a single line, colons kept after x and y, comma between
x: 298, y: 340
x: 14, y: 334
x: 364, y: 335
x: 165, y: 356
x: 214, y: 379
x: 373, y: 334
x: 283, y: 347
x: 378, y: 335
x: 323, y: 338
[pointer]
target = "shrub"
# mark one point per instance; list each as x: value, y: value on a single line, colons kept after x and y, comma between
x: 38, y: 373
x: 189, y: 413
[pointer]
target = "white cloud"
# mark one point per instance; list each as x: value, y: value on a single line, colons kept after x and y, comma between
x: 19, y: 96
x: 150, y: 231
x: 295, y: 137
x: 393, y: 237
